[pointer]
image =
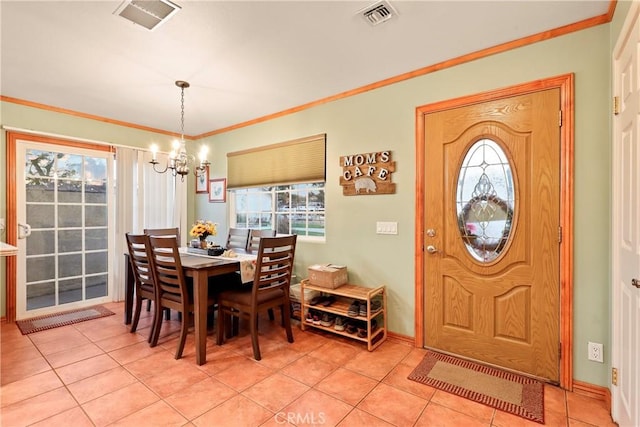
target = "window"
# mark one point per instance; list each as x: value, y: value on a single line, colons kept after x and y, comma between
x: 289, y: 209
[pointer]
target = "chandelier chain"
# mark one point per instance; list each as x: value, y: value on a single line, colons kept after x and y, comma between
x: 179, y: 160
x: 182, y: 114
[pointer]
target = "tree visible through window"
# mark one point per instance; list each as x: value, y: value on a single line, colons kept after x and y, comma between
x: 289, y: 209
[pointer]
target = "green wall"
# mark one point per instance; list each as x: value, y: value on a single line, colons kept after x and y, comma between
x: 384, y: 119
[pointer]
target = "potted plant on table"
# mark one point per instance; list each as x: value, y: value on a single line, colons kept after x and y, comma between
x: 203, y: 229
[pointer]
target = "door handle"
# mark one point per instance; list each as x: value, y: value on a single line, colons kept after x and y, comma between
x: 24, y: 230
x: 432, y: 249
x: 635, y: 282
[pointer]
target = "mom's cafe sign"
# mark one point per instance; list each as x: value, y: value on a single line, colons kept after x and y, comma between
x: 368, y: 173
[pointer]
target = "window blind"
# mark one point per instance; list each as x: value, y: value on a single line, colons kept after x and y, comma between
x: 299, y: 160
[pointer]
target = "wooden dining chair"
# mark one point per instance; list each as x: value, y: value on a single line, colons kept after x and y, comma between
x: 237, y: 238
x: 164, y: 232
x: 253, y: 242
x: 142, y: 275
x: 172, y: 290
x: 270, y: 289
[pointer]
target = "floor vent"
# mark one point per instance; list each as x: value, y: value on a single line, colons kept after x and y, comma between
x: 378, y: 12
x: 147, y: 13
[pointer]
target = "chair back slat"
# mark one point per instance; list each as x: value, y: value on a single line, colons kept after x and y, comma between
x: 167, y: 267
x: 164, y: 232
x: 237, y: 238
x: 137, y: 245
x: 253, y: 243
x: 274, y: 264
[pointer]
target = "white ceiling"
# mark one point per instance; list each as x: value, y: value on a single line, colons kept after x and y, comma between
x: 243, y: 59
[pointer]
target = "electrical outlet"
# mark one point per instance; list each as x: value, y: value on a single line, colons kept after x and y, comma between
x: 595, y: 352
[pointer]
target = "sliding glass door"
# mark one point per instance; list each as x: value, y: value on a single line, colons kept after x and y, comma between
x: 64, y: 206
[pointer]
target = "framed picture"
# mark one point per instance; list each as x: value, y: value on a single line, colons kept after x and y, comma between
x: 202, y: 181
x: 218, y: 190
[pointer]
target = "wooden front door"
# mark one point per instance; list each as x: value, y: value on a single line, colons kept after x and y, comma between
x: 492, y: 232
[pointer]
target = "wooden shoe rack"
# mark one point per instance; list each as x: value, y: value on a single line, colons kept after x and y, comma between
x: 344, y: 297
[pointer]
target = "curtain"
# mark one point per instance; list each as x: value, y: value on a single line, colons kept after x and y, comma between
x: 299, y: 160
x: 144, y: 199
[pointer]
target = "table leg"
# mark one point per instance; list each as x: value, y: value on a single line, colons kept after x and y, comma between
x: 128, y: 291
x: 200, y: 296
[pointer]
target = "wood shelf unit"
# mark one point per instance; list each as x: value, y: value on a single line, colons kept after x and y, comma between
x: 345, y: 295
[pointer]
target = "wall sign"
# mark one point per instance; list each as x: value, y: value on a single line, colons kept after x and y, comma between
x: 368, y: 173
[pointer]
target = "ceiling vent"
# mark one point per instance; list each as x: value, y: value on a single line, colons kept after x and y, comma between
x: 147, y: 13
x: 378, y: 12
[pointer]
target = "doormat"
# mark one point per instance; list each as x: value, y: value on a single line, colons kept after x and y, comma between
x: 50, y: 321
x: 493, y: 387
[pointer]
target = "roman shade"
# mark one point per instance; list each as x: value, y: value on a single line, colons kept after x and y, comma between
x: 299, y: 160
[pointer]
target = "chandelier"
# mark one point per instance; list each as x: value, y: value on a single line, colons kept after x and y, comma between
x: 179, y: 161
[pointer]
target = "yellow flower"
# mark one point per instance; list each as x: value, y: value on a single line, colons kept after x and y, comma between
x: 202, y: 229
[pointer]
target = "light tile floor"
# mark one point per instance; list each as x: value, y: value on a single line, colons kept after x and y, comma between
x: 97, y: 373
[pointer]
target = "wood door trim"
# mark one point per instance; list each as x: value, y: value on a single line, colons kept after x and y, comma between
x: 12, y: 205
x: 565, y: 84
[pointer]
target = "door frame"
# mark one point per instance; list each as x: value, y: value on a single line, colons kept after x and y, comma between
x: 565, y: 83
x: 12, y: 138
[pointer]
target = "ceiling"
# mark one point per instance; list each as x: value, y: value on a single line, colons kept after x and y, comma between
x: 243, y: 59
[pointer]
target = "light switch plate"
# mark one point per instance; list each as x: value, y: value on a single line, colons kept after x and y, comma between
x: 386, y: 227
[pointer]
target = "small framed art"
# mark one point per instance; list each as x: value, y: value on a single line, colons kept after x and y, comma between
x: 202, y: 182
x: 218, y: 190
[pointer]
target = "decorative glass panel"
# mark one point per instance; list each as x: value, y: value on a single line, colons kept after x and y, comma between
x: 41, y: 295
x: 70, y: 265
x: 70, y: 290
x: 485, y: 200
x: 39, y: 164
x: 69, y: 241
x: 96, y: 286
x: 95, y: 180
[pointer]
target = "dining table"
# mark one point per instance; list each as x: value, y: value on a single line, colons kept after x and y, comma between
x: 199, y: 267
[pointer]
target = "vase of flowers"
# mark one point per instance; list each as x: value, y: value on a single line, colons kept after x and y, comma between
x: 203, y: 229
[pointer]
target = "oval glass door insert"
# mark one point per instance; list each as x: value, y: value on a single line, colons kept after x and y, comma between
x: 485, y: 200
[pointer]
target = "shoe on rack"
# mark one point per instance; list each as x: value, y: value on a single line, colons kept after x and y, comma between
x: 351, y: 328
x: 327, y: 320
x: 363, y: 309
x: 316, y: 319
x: 362, y: 332
x: 354, y: 309
x: 375, y: 305
x: 317, y: 300
x: 309, y: 318
x: 328, y: 301
x: 374, y: 325
x: 339, y: 325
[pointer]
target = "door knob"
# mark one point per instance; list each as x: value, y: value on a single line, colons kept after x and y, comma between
x: 431, y: 249
x: 635, y: 282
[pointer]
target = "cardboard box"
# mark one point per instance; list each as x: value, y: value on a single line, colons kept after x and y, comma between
x: 327, y: 275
